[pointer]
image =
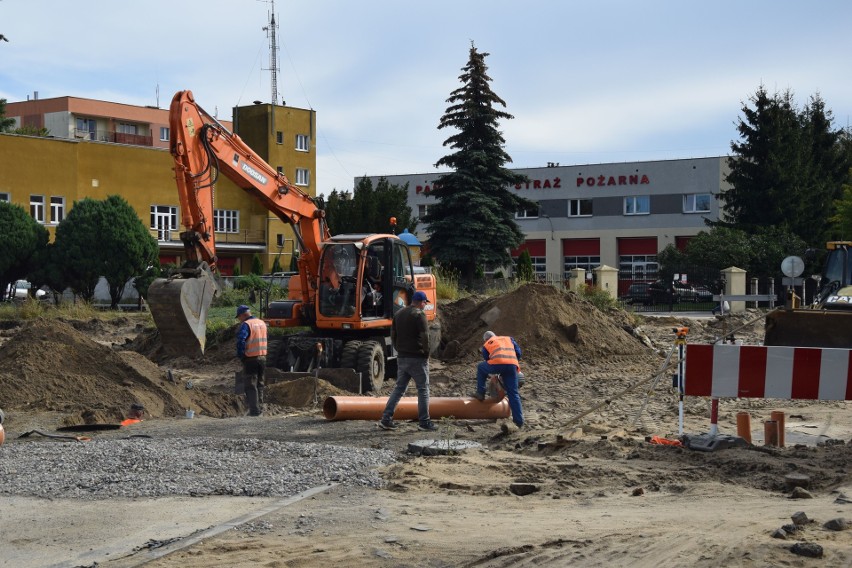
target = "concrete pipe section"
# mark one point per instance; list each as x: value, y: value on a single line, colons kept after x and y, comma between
x: 371, y: 408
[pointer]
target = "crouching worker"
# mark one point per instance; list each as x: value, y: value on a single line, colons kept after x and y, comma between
x: 501, y: 354
x: 251, y: 351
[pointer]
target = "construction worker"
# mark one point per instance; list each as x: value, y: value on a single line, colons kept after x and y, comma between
x: 501, y: 355
x: 410, y: 336
x: 251, y: 351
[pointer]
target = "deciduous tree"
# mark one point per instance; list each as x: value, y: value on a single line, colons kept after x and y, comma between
x: 21, y: 241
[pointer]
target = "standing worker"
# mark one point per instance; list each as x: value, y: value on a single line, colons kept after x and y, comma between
x: 251, y: 351
x: 501, y: 354
x: 410, y: 336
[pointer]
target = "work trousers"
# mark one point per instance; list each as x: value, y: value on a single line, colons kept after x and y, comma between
x: 509, y: 374
x: 253, y: 381
x: 408, y: 368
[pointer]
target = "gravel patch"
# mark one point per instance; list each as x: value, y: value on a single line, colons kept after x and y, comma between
x: 145, y: 467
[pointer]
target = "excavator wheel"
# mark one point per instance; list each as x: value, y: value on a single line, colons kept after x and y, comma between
x: 371, y: 365
x: 349, y: 355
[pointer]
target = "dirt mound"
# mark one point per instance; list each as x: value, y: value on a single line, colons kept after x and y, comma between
x: 547, y: 323
x: 51, y: 366
x: 301, y: 393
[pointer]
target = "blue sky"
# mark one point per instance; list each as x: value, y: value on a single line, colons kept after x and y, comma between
x: 587, y: 82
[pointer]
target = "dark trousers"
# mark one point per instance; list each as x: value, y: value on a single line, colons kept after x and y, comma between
x: 253, y: 370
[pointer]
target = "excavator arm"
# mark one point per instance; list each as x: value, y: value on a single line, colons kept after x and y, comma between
x: 202, y: 149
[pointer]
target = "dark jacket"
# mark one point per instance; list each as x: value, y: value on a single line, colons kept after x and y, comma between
x: 410, y: 333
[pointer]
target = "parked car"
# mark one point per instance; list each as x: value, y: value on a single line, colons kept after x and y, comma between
x: 637, y: 294
x: 660, y: 292
x: 22, y: 290
x: 703, y: 294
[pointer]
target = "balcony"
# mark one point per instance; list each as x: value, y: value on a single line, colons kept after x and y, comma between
x: 116, y: 137
x: 252, y: 239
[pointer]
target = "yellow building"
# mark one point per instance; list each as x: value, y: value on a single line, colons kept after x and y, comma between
x: 46, y: 175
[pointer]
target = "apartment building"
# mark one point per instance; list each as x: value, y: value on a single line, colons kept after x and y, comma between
x: 99, y: 148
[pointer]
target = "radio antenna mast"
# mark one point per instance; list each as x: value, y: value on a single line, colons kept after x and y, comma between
x: 272, y: 33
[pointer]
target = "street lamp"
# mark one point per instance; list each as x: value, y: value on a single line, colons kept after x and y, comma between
x: 549, y: 220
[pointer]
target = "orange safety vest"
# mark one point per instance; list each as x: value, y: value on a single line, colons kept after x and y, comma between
x: 256, y: 341
x: 501, y: 351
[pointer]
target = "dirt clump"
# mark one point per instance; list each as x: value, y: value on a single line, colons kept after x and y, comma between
x: 51, y: 366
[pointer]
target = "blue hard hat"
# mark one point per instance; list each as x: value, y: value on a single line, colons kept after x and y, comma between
x: 242, y: 309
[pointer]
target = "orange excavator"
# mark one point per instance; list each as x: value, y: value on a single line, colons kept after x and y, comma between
x: 346, y: 291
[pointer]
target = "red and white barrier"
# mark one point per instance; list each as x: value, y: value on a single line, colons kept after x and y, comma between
x: 745, y: 371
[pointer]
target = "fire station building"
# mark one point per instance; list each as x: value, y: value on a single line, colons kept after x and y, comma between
x: 619, y: 214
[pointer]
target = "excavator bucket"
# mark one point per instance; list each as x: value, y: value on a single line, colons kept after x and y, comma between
x: 809, y: 328
x: 179, y: 307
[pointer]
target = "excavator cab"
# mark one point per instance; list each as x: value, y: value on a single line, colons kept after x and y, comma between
x: 827, y: 321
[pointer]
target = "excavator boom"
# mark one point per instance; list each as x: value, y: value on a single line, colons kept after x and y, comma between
x: 203, y: 148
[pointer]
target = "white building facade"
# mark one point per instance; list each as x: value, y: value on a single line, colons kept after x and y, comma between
x: 619, y: 214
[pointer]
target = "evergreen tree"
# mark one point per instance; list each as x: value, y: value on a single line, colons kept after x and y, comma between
x: 788, y: 168
x: 369, y: 210
x: 256, y: 264
x: 6, y: 124
x: 103, y: 238
x: 22, y: 241
x: 472, y: 223
x: 276, y: 265
x: 524, y: 267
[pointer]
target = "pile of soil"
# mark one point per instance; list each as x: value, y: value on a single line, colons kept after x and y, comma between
x: 548, y: 324
x: 48, y: 365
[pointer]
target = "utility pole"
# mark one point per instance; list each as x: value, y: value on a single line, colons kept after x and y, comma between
x: 271, y: 33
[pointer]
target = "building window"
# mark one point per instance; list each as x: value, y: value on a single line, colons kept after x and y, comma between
x: 279, y: 137
x: 637, y: 205
x: 303, y: 143
x: 57, y: 209
x: 539, y: 264
x: 226, y: 220
x: 422, y: 210
x: 696, y: 203
x: 638, y: 267
x: 164, y: 133
x: 303, y: 176
x: 588, y: 263
x: 280, y: 170
x: 527, y: 213
x: 164, y: 220
x: 125, y: 128
x: 37, y: 207
x: 85, y: 129
x: 579, y: 207
x: 5, y: 197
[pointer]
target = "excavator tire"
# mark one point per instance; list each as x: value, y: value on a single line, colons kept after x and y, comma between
x: 371, y: 365
x: 349, y: 355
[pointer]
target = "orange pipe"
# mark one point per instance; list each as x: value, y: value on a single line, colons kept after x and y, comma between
x: 770, y: 433
x: 2, y: 435
x: 744, y: 426
x: 778, y: 416
x: 371, y: 408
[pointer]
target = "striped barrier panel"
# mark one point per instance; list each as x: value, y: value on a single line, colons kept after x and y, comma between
x: 745, y: 371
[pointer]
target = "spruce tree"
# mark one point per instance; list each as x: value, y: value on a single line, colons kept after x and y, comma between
x: 788, y: 168
x: 472, y: 222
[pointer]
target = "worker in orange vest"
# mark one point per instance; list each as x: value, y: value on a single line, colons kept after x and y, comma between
x: 501, y: 355
x: 251, y: 350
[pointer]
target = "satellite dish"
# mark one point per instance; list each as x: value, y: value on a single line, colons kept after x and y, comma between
x: 792, y: 266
